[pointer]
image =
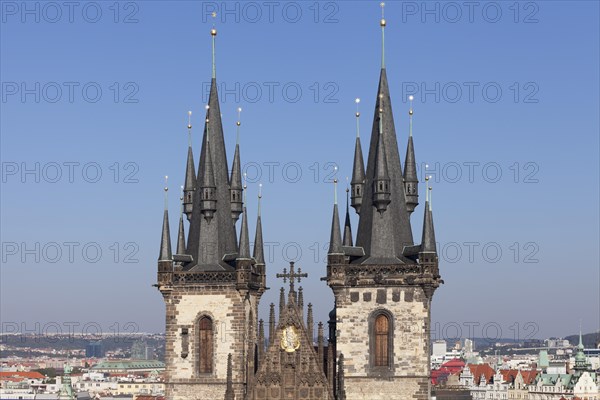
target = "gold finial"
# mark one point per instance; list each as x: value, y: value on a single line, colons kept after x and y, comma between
x: 259, y: 197
x: 357, y: 101
x: 335, y: 181
x: 189, y: 128
x: 238, y: 124
x: 166, y: 192
x: 410, y: 115
x: 430, y: 197
x: 382, y: 23
x: 213, y: 34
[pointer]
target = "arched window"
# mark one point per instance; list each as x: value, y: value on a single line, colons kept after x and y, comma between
x: 382, y: 334
x: 205, y: 345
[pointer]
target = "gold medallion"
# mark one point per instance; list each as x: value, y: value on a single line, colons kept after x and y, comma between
x: 290, y: 341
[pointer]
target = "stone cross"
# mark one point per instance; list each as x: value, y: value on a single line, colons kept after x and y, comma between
x: 292, y: 276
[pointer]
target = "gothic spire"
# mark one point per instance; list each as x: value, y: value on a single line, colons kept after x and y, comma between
x: 381, y: 179
x: 190, y: 175
x: 165, y: 240
x: 358, y: 170
x: 335, y: 241
x: 212, y: 234
x: 208, y: 202
x: 384, y: 235
x: 411, y: 182
x: 181, y: 232
x: 259, y: 254
x: 235, y: 183
x: 347, y: 240
x: 271, y: 323
x: 428, y: 240
x: 244, y: 247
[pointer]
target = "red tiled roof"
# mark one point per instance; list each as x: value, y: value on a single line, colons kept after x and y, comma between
x: 481, y: 369
x: 453, y: 366
x: 21, y: 374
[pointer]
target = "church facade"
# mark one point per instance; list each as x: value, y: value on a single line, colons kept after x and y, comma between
x: 377, y: 342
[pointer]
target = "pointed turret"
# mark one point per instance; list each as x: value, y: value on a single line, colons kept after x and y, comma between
x: 165, y: 241
x: 428, y: 239
x: 259, y: 254
x: 165, y: 256
x: 235, y: 183
x: 271, y: 323
x: 190, y: 175
x: 411, y: 182
x: 310, y: 325
x: 381, y: 179
x: 347, y: 240
x: 244, y: 247
x: 335, y: 241
x: 358, y: 170
x: 208, y: 199
x: 181, y: 232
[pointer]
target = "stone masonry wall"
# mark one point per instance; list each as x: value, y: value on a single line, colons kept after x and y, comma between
x: 408, y: 377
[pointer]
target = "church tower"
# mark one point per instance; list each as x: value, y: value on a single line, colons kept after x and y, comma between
x: 212, y: 286
x: 383, y: 285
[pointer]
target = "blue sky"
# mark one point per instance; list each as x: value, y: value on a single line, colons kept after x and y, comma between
x: 95, y: 100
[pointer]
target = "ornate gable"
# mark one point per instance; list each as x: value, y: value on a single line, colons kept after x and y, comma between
x: 290, y: 367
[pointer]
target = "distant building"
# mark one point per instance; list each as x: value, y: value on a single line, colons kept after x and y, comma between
x: 94, y: 349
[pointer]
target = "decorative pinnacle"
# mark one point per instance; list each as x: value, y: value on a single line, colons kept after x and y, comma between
x: 181, y: 199
x: 410, y: 114
x: 335, y: 182
x: 382, y: 23
x: 238, y: 123
x: 213, y: 34
x: 190, y: 128
x: 426, y: 184
x: 259, y: 197
x: 430, y: 197
x: 245, y: 187
x: 166, y: 192
x: 357, y: 101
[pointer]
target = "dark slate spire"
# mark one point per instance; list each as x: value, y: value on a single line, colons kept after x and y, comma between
x: 335, y: 241
x: 259, y: 254
x: 428, y: 240
x: 235, y: 183
x: 347, y: 240
x: 190, y: 175
x: 381, y: 179
x: 181, y: 232
x: 165, y: 240
x: 411, y: 182
x: 244, y: 237
x: 208, y: 198
x: 383, y: 236
x: 210, y: 243
x: 358, y: 170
